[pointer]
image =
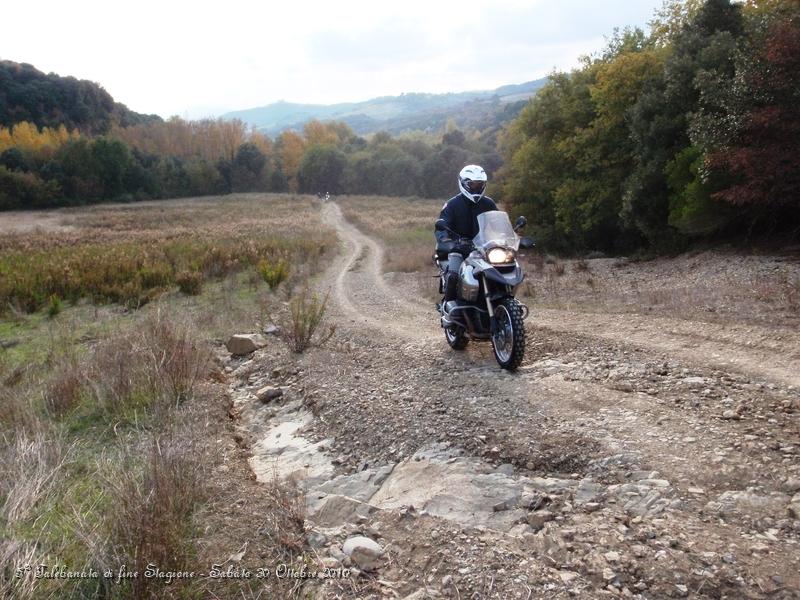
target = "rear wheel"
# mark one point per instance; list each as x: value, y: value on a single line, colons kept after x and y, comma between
x: 456, y: 337
x: 508, y: 341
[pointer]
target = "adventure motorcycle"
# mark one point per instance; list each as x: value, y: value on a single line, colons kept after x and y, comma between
x: 485, y: 308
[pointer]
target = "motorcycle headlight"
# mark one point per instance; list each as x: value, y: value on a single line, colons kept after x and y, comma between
x: 500, y: 256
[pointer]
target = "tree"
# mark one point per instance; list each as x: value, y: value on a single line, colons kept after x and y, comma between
x: 671, y: 18
x: 317, y: 133
x: 440, y: 171
x: 248, y: 168
x: 111, y: 161
x: 289, y: 148
x: 27, y: 94
x: 454, y: 137
x: 659, y: 120
x: 77, y: 174
x: 692, y: 209
x: 14, y: 160
x: 25, y: 190
x: 588, y: 200
x: 541, y: 156
x: 321, y: 170
x: 752, y: 129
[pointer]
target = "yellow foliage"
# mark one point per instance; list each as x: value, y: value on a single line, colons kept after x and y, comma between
x: 290, y: 147
x: 211, y: 139
x: 262, y: 142
x: 320, y: 134
x: 27, y: 137
x: 671, y: 17
x: 6, y: 141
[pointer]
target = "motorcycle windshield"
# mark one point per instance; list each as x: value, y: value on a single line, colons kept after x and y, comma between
x: 495, y: 230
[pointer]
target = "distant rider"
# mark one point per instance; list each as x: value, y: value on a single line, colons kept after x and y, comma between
x: 460, y: 215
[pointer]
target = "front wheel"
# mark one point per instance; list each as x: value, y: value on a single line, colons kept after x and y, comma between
x: 508, y: 339
x: 456, y: 337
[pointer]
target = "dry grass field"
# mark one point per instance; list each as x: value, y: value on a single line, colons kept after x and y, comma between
x: 109, y: 387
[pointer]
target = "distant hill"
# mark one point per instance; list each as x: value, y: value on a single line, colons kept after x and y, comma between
x: 27, y: 94
x: 396, y: 114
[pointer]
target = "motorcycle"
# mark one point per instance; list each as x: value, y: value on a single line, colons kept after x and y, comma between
x: 485, y: 308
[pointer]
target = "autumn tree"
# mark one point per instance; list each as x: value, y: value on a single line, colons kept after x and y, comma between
x: 289, y: 149
x: 751, y: 129
x: 317, y: 133
x: 27, y: 137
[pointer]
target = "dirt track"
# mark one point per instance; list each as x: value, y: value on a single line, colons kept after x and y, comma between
x: 662, y: 455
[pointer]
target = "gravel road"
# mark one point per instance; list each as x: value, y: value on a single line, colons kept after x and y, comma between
x: 630, y: 456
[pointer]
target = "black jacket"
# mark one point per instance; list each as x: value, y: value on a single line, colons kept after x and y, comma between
x: 461, y: 215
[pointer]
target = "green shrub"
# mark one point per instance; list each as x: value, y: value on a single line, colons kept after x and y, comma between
x: 273, y: 273
x: 692, y: 210
x: 54, y: 306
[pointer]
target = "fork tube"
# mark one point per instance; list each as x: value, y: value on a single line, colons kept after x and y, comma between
x: 488, y: 302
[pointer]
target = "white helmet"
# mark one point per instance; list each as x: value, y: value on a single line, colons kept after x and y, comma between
x: 472, y: 182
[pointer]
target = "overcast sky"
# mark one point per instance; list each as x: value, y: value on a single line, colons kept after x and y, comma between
x: 205, y: 58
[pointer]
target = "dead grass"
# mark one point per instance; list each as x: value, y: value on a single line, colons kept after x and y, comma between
x: 713, y: 286
x: 15, y: 557
x: 284, y: 518
x: 156, y: 366
x: 580, y: 266
x: 30, y: 465
x: 179, y: 359
x: 150, y: 517
x: 16, y: 413
x: 65, y: 389
x: 557, y: 268
x: 102, y: 459
x: 189, y: 282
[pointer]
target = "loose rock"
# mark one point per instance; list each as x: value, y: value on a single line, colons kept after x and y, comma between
x: 537, y: 519
x: 269, y: 393
x: 241, y: 344
x: 363, y: 551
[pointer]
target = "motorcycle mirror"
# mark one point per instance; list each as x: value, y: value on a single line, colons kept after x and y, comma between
x: 526, y: 243
x: 520, y: 223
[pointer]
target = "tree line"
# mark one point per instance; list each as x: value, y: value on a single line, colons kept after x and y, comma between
x: 56, y: 167
x: 691, y: 131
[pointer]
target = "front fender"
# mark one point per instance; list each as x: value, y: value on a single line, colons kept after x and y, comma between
x: 512, y: 278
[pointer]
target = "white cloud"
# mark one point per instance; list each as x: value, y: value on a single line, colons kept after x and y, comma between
x: 208, y: 57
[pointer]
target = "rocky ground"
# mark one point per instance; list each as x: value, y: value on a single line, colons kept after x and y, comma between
x: 634, y: 456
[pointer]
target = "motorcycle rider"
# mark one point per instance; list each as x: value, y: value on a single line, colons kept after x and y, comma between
x: 460, y: 215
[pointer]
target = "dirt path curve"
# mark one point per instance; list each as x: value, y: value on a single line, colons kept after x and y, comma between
x: 360, y: 290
